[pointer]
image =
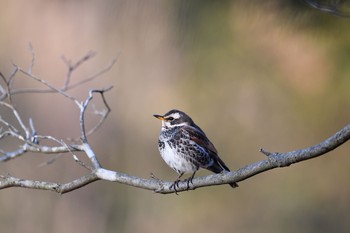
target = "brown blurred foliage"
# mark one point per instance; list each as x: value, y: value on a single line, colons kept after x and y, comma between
x: 252, y: 74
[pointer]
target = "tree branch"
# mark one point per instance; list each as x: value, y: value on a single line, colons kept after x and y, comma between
x: 333, y: 7
x: 32, y: 141
x: 67, y: 86
x: 10, y: 181
x: 274, y: 160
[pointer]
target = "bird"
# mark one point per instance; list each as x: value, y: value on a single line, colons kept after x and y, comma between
x: 185, y: 148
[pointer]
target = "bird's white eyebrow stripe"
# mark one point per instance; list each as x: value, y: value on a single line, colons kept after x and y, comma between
x: 176, y: 115
x: 181, y: 124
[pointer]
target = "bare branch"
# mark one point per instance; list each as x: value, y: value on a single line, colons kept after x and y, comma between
x: 34, y: 134
x: 9, y: 126
x: 105, y: 114
x: 334, y: 7
x: 31, y: 49
x: 39, y: 149
x: 8, y: 84
x: 274, y: 160
x: 10, y: 181
x: 81, y: 163
x: 19, y: 120
x: 94, y: 76
x: 31, y: 141
x: 54, y: 89
x: 72, y: 67
x: 67, y: 85
x: 31, y: 138
x: 88, y: 150
x: 12, y: 154
x: 4, y: 92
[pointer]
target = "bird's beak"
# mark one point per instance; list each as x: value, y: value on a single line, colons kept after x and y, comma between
x: 159, y: 117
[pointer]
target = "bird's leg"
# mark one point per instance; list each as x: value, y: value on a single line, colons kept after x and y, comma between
x: 178, y: 179
x: 176, y: 182
x: 189, y: 180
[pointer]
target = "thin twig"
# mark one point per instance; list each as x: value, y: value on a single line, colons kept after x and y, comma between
x: 4, y: 92
x: 10, y: 181
x: 18, y: 117
x: 50, y: 86
x: 94, y: 76
x: 69, y: 87
x: 104, y: 115
x: 39, y: 149
x: 34, y: 137
x: 10, y: 83
x: 81, y: 163
x: 31, y: 49
x: 88, y: 150
x: 8, y: 125
x: 84, y: 107
x: 72, y: 67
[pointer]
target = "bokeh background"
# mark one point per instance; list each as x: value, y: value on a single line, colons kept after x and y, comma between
x: 271, y: 74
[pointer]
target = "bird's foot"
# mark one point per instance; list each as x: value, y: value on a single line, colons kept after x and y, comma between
x: 188, y: 181
x: 174, y: 185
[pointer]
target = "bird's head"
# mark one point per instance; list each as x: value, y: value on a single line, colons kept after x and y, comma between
x: 174, y: 118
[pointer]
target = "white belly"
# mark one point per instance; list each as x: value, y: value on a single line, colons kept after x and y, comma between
x: 176, y: 161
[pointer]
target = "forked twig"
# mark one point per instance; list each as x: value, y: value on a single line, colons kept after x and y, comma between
x: 73, y: 67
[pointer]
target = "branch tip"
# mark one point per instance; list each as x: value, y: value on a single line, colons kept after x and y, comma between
x: 265, y: 152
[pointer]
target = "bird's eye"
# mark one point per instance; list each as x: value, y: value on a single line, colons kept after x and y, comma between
x: 170, y: 118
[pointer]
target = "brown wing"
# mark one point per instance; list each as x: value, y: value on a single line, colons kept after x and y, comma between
x: 201, y: 139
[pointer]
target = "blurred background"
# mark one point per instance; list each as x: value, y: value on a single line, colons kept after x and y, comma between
x: 252, y: 74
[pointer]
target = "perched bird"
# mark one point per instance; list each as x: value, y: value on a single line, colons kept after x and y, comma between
x: 186, y: 148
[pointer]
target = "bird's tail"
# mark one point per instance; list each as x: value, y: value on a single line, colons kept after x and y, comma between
x: 233, y: 185
x: 217, y: 168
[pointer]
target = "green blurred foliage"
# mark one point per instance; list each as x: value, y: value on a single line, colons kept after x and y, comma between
x: 252, y: 74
